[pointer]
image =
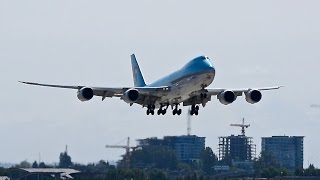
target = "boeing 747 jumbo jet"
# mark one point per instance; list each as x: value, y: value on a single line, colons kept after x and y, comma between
x: 187, y: 86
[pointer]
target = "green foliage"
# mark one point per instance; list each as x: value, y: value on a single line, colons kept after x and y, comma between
x: 23, y: 164
x: 208, y: 159
x: 162, y: 158
x: 65, y: 160
x: 265, y: 160
x: 266, y: 165
x: 3, y: 172
x: 185, y: 168
x: 35, y: 164
x: 43, y: 165
x: 101, y: 167
x: 137, y: 174
x: 157, y: 174
x: 310, y: 171
x: 194, y: 176
x: 272, y: 172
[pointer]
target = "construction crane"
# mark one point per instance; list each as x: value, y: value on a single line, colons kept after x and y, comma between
x: 243, y: 126
x: 127, y: 148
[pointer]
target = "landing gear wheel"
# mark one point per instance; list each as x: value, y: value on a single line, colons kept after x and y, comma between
x: 162, y: 110
x: 179, y: 112
x: 174, y: 112
x: 191, y: 112
x: 150, y: 109
x: 194, y: 110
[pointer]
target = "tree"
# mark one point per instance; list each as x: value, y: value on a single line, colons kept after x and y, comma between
x: 34, y: 164
x: 23, y: 164
x: 162, y: 158
x: 3, y: 172
x: 265, y: 161
x: 65, y: 160
x: 101, y: 167
x: 157, y: 174
x: 311, y: 171
x: 42, y: 165
x: 208, y: 159
x: 272, y: 172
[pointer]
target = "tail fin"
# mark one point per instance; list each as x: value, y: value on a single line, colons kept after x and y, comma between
x: 137, y: 75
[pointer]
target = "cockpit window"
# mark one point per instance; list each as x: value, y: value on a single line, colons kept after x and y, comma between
x: 195, y: 60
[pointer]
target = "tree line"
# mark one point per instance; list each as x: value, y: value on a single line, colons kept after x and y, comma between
x: 162, y: 163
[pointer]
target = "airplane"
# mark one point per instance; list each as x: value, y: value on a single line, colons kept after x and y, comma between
x: 186, y: 86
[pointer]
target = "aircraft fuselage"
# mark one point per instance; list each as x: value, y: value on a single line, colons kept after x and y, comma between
x: 194, y: 76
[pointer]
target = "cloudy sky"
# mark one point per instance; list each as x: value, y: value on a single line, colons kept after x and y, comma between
x: 76, y: 42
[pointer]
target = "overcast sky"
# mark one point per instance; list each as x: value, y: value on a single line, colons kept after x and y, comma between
x: 76, y: 42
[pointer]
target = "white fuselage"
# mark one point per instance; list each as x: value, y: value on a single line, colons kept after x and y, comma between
x: 195, y: 76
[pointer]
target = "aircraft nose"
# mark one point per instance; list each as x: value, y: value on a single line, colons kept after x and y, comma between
x: 209, y: 65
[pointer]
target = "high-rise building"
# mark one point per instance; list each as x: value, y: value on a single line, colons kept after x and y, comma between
x: 238, y: 151
x: 288, y: 150
x: 187, y: 148
x: 236, y: 148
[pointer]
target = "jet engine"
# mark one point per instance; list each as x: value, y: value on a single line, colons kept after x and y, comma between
x: 253, y: 96
x: 85, y: 94
x: 131, y: 95
x: 227, y: 97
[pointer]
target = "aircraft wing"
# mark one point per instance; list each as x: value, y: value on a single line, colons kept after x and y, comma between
x: 239, y: 92
x: 109, y: 91
x: 204, y: 96
x: 98, y: 91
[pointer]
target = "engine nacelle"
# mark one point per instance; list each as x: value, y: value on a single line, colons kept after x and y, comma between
x: 253, y: 96
x: 85, y: 94
x: 227, y: 97
x: 131, y: 95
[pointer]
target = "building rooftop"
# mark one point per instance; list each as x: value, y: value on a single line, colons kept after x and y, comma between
x: 50, y: 170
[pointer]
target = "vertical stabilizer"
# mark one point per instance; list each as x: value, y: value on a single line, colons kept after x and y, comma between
x: 137, y: 75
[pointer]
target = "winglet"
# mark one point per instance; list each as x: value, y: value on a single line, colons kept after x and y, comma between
x: 270, y: 88
x: 137, y: 75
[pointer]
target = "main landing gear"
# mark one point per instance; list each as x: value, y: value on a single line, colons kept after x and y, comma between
x: 176, y: 110
x: 162, y: 110
x: 150, y: 109
x: 194, y: 110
